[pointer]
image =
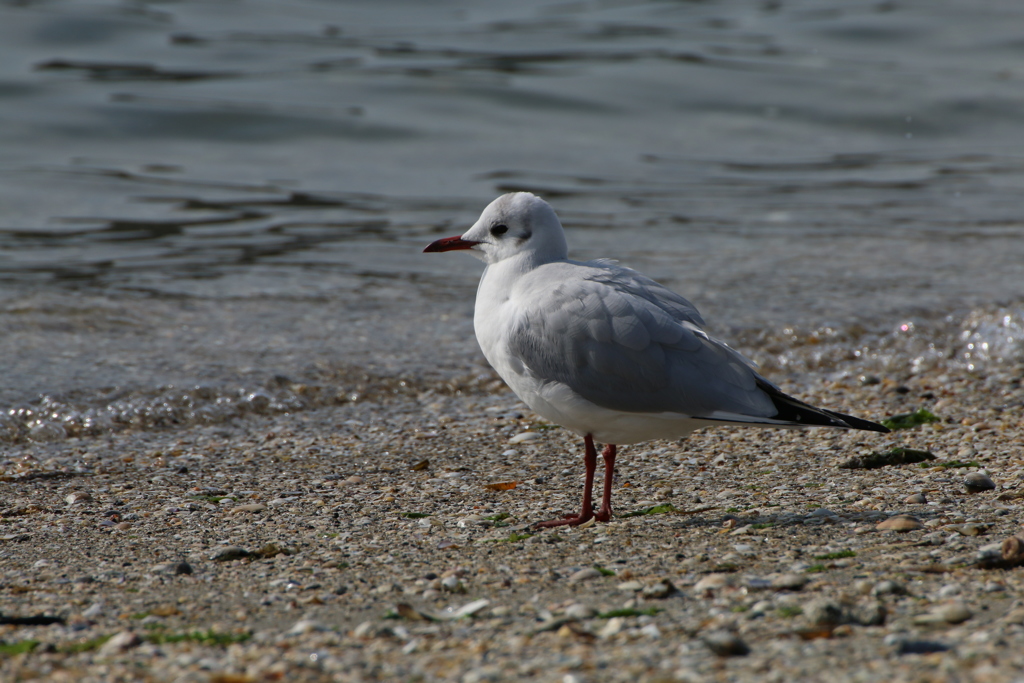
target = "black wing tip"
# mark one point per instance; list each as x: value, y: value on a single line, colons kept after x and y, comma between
x: 800, y: 413
x: 858, y: 423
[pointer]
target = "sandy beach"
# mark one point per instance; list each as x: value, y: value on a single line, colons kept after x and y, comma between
x: 388, y: 539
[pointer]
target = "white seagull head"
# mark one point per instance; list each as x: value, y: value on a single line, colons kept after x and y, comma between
x: 514, y: 224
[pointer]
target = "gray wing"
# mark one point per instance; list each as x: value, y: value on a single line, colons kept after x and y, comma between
x: 624, y: 342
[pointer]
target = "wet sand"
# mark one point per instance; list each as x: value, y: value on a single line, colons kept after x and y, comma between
x: 360, y: 529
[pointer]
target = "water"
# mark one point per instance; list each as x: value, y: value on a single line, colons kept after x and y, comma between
x: 208, y: 208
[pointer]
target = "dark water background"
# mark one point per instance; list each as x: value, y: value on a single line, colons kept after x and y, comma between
x: 207, y: 207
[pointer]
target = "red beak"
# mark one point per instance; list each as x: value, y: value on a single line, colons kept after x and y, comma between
x: 450, y: 244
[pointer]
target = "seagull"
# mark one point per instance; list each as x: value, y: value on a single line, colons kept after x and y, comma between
x: 604, y: 351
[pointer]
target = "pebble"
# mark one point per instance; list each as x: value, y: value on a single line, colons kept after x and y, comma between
x: 613, y: 626
x: 172, y: 568
x: 249, y: 507
x: 713, y: 582
x: 900, y: 523
x: 977, y: 482
x: 78, y: 497
x: 630, y: 586
x: 918, y: 647
x: 651, y: 631
x: 304, y: 626
x: 525, y: 436
x: 121, y: 642
x: 95, y: 610
x: 870, y: 614
x: 659, y: 590
x: 578, y: 611
x: 452, y: 584
x: 725, y: 644
x: 473, y: 521
x: 991, y: 553
x: 229, y: 553
x: 824, y: 612
x: 363, y: 630
x: 951, y: 613
x: 916, y: 499
x: 1012, y: 550
x: 790, y: 581
x: 888, y: 587
x: 585, y: 575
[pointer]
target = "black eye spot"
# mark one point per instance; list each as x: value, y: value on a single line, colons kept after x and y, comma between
x: 499, y: 230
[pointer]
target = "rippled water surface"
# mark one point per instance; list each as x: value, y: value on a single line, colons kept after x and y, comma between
x: 234, y: 195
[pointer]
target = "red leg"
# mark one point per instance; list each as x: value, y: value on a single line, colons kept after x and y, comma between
x: 605, y: 513
x: 587, y: 511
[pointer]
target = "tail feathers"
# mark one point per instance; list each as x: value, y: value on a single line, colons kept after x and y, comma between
x: 797, y: 412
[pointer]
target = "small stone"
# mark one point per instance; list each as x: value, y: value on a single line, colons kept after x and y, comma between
x: 900, y: 523
x: 78, y: 497
x: 525, y: 436
x: 482, y: 675
x: 990, y: 556
x: 304, y: 626
x: 363, y: 630
x: 790, y: 581
x: 174, y: 568
x: 651, y: 631
x: 725, y: 644
x: 95, y: 610
x: 248, y: 507
x: 951, y: 613
x: 712, y: 582
x: 452, y: 584
x: 969, y: 529
x: 824, y: 612
x: 15, y: 538
x: 919, y: 647
x: 1012, y: 550
x: 473, y: 521
x: 578, y: 611
x: 977, y: 482
x: 613, y: 626
x: 122, y: 642
x: 585, y: 575
x: 888, y: 587
x: 870, y: 614
x: 916, y: 499
x: 659, y: 590
x: 229, y: 553
x: 630, y: 586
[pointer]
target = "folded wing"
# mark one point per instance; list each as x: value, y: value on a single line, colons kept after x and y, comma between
x: 626, y: 343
